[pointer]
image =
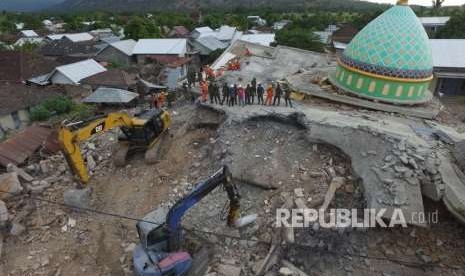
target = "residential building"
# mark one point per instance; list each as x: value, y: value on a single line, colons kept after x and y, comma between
x: 202, y: 31
x: 120, y: 52
x: 162, y: 50
x: 256, y: 20
x: 28, y: 34
x: 262, y: 39
x: 449, y: 66
x: 101, y: 33
x: 174, y: 72
x: 345, y: 34
x: 206, y: 45
x: 433, y: 24
x: 73, y: 73
x: 111, y: 96
x: 16, y: 100
x: 281, y: 24
x: 179, y: 32
x: 18, y: 67
x: 115, y: 78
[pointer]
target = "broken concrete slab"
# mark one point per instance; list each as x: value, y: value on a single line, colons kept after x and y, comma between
x: 229, y: 270
x: 350, y: 134
x: 454, y: 193
x: 4, y: 215
x: 21, y: 173
x: 9, y: 185
x: 78, y: 198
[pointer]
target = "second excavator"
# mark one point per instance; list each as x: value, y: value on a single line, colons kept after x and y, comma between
x: 140, y: 132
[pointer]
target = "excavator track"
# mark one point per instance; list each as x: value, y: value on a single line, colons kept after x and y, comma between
x: 121, y: 154
x: 153, y: 154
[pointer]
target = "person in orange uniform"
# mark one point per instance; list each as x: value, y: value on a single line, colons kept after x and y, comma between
x: 269, y: 95
x: 204, y: 90
x: 161, y: 99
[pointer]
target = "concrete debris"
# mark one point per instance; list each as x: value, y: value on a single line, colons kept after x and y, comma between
x: 78, y: 198
x: 17, y: 229
x: 9, y: 185
x: 335, y: 184
x: 4, y: 215
x: 229, y: 270
x: 245, y: 221
x: 295, y: 270
x: 285, y: 271
x: 21, y: 173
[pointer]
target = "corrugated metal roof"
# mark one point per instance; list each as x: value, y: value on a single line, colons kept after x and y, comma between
x: 125, y: 46
x: 212, y: 43
x: 29, y: 33
x: 439, y: 20
x: 55, y: 36
x: 226, y: 33
x: 448, y: 52
x: 110, y: 95
x: 80, y: 37
x: 262, y: 39
x: 202, y: 30
x: 21, y: 146
x: 32, y: 40
x: 80, y: 70
x: 160, y: 47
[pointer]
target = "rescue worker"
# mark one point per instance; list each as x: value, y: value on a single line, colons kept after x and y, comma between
x: 191, y: 77
x: 260, y: 93
x: 225, y: 94
x: 254, y: 83
x: 278, y: 95
x: 232, y: 95
x: 241, y: 92
x: 211, y: 92
x: 247, y: 94
x: 253, y: 91
x: 162, y: 99
x: 269, y: 95
x: 200, y: 76
x: 287, y: 97
x: 216, y: 90
x: 204, y: 91
x: 236, y: 93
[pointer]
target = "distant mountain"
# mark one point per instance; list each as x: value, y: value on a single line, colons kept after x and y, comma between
x: 27, y: 5
x: 147, y: 5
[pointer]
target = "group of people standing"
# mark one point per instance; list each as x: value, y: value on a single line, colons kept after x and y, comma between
x: 236, y: 94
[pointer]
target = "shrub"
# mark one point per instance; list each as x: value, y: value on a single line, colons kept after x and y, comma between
x: 82, y: 112
x: 40, y: 113
x: 59, y: 105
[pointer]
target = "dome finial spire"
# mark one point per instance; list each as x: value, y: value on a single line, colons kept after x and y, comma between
x: 402, y: 2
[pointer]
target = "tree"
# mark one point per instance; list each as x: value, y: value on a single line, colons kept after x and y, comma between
x: 138, y: 28
x: 455, y: 27
x: 299, y: 38
x: 437, y: 4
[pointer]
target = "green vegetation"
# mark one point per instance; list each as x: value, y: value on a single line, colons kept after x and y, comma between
x: 56, y: 106
x: 455, y: 28
x: 299, y: 38
x: 138, y: 28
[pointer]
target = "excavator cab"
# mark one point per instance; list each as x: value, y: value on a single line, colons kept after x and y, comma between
x: 148, y: 126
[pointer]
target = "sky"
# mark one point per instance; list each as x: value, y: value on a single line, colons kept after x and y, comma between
x: 423, y: 2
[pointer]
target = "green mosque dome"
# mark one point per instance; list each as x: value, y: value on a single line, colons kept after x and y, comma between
x: 389, y: 60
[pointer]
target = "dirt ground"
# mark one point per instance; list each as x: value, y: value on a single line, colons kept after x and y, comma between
x: 62, y: 242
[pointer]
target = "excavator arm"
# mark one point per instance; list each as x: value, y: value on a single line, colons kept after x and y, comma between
x: 70, y: 135
x: 175, y: 214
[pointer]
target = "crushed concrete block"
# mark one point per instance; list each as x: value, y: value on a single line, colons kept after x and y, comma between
x: 285, y: 271
x: 9, y: 185
x: 17, y: 229
x: 4, y: 215
x: 454, y: 194
x: 229, y: 270
x: 78, y: 198
x: 21, y: 173
x: 91, y: 164
x: 299, y: 192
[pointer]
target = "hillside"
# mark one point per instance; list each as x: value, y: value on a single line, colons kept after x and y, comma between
x: 144, y: 5
x: 26, y: 5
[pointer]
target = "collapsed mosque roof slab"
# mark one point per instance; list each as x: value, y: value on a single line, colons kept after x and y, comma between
x: 302, y: 69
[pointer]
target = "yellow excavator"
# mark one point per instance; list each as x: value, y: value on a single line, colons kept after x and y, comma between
x: 141, y: 132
